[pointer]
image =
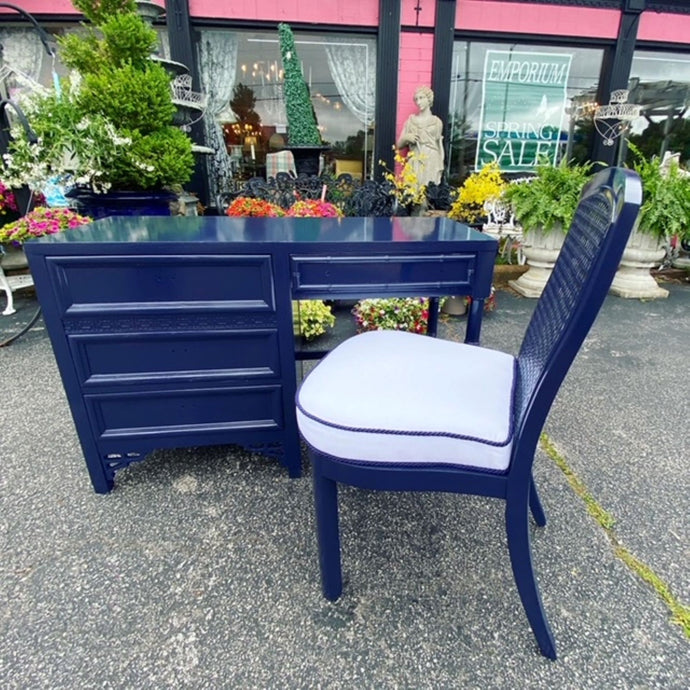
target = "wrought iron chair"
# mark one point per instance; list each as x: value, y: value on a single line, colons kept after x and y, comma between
x: 473, y: 424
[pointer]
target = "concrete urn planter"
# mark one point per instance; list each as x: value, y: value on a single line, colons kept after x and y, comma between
x: 633, y: 279
x: 540, y: 250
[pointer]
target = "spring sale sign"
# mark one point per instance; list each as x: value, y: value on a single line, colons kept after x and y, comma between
x: 523, y: 103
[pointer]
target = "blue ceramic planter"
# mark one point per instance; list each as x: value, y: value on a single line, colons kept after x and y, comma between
x: 122, y: 203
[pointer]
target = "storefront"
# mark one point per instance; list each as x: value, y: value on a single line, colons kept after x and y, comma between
x: 513, y: 80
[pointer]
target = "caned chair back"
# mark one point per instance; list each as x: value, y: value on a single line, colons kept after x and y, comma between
x: 572, y: 297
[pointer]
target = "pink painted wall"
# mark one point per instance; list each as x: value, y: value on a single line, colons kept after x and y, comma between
x: 350, y: 12
x: 657, y: 26
x: 43, y: 7
x: 556, y: 20
x: 427, y: 15
x: 414, y: 69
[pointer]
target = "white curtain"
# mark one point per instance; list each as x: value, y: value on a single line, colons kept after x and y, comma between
x: 353, y: 68
x: 23, y: 55
x: 217, y: 66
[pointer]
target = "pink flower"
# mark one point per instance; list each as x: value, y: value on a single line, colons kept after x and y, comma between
x: 41, y: 221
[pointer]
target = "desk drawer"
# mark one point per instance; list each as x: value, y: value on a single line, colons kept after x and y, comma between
x: 180, y: 413
x: 357, y: 276
x: 88, y: 285
x: 148, y: 357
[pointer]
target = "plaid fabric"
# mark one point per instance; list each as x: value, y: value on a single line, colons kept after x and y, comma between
x: 281, y: 161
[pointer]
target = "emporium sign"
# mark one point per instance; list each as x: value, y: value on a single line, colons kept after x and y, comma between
x: 523, y: 102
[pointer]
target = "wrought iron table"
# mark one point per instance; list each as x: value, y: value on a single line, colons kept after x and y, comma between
x: 174, y: 332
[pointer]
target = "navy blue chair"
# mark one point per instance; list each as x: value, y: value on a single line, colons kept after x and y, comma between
x: 472, y: 424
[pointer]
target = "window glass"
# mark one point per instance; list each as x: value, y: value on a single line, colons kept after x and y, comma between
x: 660, y: 83
x: 541, y: 107
x: 247, y: 100
x: 26, y: 64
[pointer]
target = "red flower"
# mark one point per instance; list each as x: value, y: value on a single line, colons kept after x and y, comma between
x: 244, y: 207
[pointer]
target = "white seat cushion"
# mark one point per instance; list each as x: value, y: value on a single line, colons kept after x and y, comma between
x: 397, y: 397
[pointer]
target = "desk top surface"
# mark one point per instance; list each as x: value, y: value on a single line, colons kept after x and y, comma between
x: 298, y: 231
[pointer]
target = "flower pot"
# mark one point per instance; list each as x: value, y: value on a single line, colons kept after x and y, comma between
x: 455, y: 306
x: 540, y: 250
x: 121, y: 203
x: 633, y: 279
x: 307, y: 158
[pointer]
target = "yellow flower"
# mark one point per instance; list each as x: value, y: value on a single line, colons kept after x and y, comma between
x: 475, y: 191
x: 406, y: 187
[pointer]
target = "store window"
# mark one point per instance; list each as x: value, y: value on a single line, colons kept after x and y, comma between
x: 660, y: 83
x: 242, y: 75
x: 25, y: 64
x: 516, y: 103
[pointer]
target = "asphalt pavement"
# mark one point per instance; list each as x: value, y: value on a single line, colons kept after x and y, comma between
x: 199, y: 570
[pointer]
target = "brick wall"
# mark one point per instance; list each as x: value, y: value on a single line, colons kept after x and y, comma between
x: 416, y: 51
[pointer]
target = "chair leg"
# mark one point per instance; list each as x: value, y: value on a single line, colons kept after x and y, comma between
x: 326, y: 505
x: 535, y: 505
x: 517, y: 529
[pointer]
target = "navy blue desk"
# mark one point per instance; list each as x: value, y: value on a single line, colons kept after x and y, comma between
x: 173, y: 332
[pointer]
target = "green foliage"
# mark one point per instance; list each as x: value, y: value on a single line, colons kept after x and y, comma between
x: 651, y: 140
x: 123, y: 39
x: 665, y: 209
x: 549, y: 199
x: 302, y: 129
x: 133, y: 98
x: 311, y: 317
x: 98, y: 11
x: 159, y: 159
x: 112, y: 128
x: 242, y: 103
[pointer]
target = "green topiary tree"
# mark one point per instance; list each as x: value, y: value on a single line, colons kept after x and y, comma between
x: 302, y: 129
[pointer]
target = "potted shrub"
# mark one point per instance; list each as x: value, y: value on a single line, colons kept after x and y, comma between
x: 544, y: 205
x: 108, y: 130
x: 665, y: 212
x: 304, y: 138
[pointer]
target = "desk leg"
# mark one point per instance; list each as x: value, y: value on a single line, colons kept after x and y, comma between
x: 474, y: 321
x: 432, y: 326
x: 293, y: 451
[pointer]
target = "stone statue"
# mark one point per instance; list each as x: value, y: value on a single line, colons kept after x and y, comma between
x: 422, y: 134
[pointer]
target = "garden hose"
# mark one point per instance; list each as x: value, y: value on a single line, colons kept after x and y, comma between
x: 14, y: 337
